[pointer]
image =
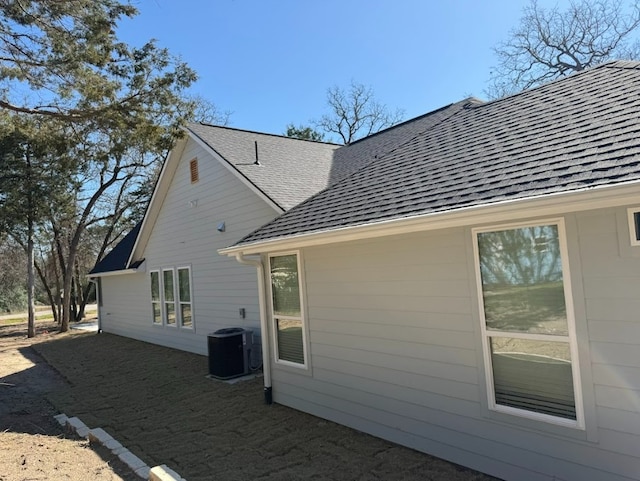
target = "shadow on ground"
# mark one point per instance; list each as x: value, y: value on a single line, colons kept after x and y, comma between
x: 159, y: 404
x: 33, y: 442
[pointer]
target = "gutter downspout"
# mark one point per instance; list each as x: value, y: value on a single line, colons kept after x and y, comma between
x: 264, y: 335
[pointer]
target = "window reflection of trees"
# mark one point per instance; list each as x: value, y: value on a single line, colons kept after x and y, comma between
x: 522, y: 284
x: 285, y: 286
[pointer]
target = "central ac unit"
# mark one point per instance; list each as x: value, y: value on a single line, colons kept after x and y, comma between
x: 229, y: 352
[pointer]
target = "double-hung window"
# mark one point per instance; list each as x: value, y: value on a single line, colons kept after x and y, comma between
x: 171, y: 297
x: 184, y: 296
x: 528, y: 329
x: 287, y: 312
x: 155, y: 297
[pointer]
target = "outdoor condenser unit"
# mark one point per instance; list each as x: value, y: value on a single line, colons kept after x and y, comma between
x: 229, y: 351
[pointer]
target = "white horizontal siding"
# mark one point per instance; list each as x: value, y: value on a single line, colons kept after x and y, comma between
x: 463, y: 439
x: 126, y: 311
x: 394, y: 351
x: 611, y: 271
x: 186, y: 235
x: 618, y: 420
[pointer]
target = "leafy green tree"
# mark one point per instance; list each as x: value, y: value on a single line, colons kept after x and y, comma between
x: 551, y: 43
x: 304, y: 133
x: 75, y: 68
x: 122, y: 107
x: 13, y: 292
x: 31, y: 175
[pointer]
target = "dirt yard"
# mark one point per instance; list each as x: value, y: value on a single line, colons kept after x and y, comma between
x: 33, y: 444
x: 159, y: 404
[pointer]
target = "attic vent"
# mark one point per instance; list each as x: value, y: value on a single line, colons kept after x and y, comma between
x: 634, y: 225
x: 193, y: 168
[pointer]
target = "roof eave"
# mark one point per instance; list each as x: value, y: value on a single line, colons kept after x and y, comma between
x: 131, y: 270
x: 502, y: 211
x: 114, y: 273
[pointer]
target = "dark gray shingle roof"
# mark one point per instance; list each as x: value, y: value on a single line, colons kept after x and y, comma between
x: 289, y: 170
x: 579, y: 132
x: 117, y: 259
x: 358, y: 154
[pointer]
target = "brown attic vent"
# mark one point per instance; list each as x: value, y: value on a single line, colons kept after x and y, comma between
x: 193, y: 168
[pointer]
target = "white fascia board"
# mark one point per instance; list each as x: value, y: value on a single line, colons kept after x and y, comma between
x: 551, y: 204
x: 231, y: 168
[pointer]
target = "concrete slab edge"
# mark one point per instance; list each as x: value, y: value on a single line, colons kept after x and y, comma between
x: 101, y: 437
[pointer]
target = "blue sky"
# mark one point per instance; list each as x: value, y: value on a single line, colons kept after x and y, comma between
x: 270, y: 62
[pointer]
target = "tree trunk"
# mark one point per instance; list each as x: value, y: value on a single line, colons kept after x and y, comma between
x: 47, y: 288
x: 80, y: 301
x: 67, y: 282
x: 31, y: 323
x: 66, y: 300
x: 58, y: 297
x: 86, y: 292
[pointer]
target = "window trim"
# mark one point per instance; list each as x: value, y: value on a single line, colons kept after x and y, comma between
x: 570, y: 338
x: 159, y: 301
x: 303, y: 320
x: 634, y: 234
x: 180, y: 303
x: 176, y: 298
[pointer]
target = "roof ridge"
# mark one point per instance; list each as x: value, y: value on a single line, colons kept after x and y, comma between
x: 464, y: 104
x: 280, y: 136
x: 621, y: 64
x: 414, y: 119
x: 608, y: 64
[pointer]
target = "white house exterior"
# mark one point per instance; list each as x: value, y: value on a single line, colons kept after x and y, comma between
x: 475, y: 292
x: 195, y: 291
x: 165, y: 283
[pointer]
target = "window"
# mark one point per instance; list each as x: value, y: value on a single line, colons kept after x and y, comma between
x: 527, y: 323
x: 169, y: 297
x: 163, y: 297
x: 634, y: 225
x: 193, y: 170
x: 155, y: 297
x: 184, y: 296
x: 287, y: 310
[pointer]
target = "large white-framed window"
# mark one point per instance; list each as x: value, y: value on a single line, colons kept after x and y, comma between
x: 527, y: 322
x: 172, y: 297
x: 287, y: 310
x: 184, y: 297
x: 633, y: 215
x: 169, y: 297
x: 156, y: 301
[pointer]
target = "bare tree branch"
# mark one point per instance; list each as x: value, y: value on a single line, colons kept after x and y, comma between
x: 355, y: 113
x: 549, y: 44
